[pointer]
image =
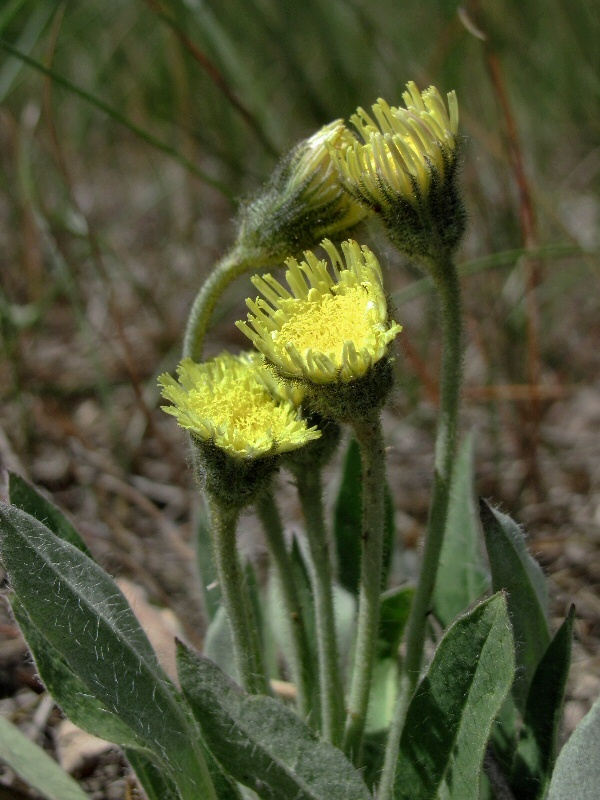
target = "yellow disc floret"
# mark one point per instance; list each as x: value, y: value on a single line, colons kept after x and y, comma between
x: 238, y: 405
x: 327, y: 328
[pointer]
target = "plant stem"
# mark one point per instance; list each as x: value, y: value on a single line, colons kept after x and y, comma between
x: 244, y: 629
x: 370, y: 439
x: 233, y: 264
x: 448, y: 287
x: 300, y: 656
x: 332, y: 700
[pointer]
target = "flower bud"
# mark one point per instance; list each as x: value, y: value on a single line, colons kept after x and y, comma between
x: 303, y: 201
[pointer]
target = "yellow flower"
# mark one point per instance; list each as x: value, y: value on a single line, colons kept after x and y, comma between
x: 237, y: 404
x: 403, y: 148
x: 328, y: 328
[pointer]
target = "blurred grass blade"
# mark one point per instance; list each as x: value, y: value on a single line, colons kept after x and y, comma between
x: 449, y: 718
x: 517, y: 572
x: 506, y: 258
x: 536, y: 750
x: 461, y: 577
x: 9, y: 12
x: 116, y: 116
x: 34, y: 27
x: 35, y: 767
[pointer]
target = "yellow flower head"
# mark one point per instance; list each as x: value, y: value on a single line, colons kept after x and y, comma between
x: 327, y: 328
x: 237, y: 404
x: 402, y: 148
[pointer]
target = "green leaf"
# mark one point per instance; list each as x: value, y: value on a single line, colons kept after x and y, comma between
x: 347, y: 522
x: 393, y: 616
x: 34, y: 766
x: 71, y: 693
x: 517, y: 572
x: 88, y: 621
x: 536, y: 751
x: 263, y: 744
x: 384, y: 690
x: 156, y: 784
x: 24, y: 496
x: 577, y: 772
x: 218, y: 644
x: 448, y: 721
x: 461, y: 577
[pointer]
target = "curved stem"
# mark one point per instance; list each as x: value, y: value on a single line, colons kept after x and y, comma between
x: 448, y: 287
x: 235, y: 263
x: 300, y: 656
x: 332, y: 700
x: 244, y: 629
x: 370, y: 439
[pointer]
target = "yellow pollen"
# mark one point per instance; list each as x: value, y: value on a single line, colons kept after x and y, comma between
x: 247, y: 411
x: 324, y: 324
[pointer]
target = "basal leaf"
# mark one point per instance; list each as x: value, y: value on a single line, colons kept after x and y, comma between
x: 461, y: 577
x: 71, y: 693
x: 34, y: 766
x: 536, y: 751
x: 263, y: 744
x: 88, y: 621
x: 517, y: 572
x: 448, y: 721
x: 577, y: 772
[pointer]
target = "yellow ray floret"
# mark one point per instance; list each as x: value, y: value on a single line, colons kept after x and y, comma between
x: 328, y: 327
x: 238, y: 405
x: 401, y: 146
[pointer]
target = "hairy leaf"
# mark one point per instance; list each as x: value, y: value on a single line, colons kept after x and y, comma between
x: 536, y: 751
x: 448, y: 721
x: 461, y: 577
x: 517, y: 572
x: 577, y: 772
x: 88, y: 621
x: 263, y: 744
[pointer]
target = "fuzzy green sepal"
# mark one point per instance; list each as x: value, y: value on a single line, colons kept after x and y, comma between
x: 234, y: 482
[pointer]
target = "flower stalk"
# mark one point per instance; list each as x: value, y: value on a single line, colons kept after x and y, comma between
x: 370, y: 440
x: 310, y: 492
x: 244, y: 630
x: 446, y: 279
x: 300, y: 655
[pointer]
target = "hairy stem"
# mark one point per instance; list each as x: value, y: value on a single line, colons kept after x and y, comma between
x: 235, y: 263
x: 244, y: 629
x: 300, y: 656
x: 370, y: 439
x: 447, y: 284
x: 332, y: 699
